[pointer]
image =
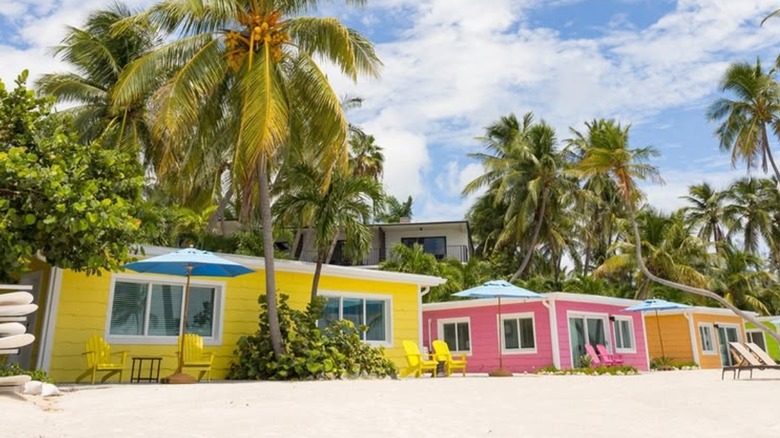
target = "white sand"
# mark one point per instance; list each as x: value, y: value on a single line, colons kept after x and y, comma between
x: 664, y: 404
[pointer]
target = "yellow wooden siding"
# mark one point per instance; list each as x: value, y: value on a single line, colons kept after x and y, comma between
x: 84, y: 307
x: 713, y: 360
x: 675, y: 334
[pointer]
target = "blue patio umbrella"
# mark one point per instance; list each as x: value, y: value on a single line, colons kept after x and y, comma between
x: 654, y: 305
x: 188, y: 262
x: 499, y: 289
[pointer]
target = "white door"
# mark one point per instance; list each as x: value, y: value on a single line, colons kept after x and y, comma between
x: 24, y: 358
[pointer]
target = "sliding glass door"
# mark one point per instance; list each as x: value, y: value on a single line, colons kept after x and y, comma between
x: 586, y: 329
x: 726, y: 334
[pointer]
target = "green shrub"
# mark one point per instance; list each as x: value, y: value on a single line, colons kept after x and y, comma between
x: 15, y: 370
x: 665, y: 363
x: 589, y: 371
x: 584, y: 361
x: 310, y: 353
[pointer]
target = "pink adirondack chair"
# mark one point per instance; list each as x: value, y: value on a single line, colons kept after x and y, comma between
x: 608, y: 359
x: 594, y: 358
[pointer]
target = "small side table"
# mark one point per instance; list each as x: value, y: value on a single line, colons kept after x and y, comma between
x: 152, y: 377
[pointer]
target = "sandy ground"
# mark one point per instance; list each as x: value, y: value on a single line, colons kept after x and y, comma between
x: 662, y: 404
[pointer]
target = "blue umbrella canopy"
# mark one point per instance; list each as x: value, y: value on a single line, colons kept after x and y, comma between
x: 655, y: 304
x: 188, y: 262
x: 202, y: 264
x: 498, y: 289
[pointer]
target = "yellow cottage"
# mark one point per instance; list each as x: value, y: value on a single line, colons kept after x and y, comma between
x: 696, y: 334
x: 140, y: 313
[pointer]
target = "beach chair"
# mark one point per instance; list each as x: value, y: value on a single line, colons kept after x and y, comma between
x: 594, y: 358
x: 762, y: 355
x: 442, y: 353
x: 608, y: 359
x: 745, y: 361
x: 194, y: 357
x: 97, y: 354
x: 416, y: 363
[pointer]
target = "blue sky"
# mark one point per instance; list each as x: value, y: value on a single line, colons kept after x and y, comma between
x: 451, y: 67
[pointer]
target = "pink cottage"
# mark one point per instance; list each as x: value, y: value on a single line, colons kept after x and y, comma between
x: 537, y: 333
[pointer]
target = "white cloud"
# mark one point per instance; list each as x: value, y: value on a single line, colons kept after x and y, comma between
x: 450, y: 70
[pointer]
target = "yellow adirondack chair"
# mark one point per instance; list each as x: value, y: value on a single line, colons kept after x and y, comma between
x: 417, y: 365
x: 442, y: 353
x: 98, y: 354
x: 194, y: 357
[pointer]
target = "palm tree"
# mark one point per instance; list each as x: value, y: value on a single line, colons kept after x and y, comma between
x: 599, y: 201
x: 751, y: 214
x: 611, y: 156
x: 740, y: 279
x: 707, y: 213
x: 394, y: 210
x: 365, y: 155
x: 347, y: 204
x: 669, y: 250
x: 248, y: 68
x: 523, y: 169
x: 98, y: 55
x: 746, y: 118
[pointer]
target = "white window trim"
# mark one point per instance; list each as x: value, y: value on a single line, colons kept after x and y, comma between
x: 748, y: 332
x: 388, y: 299
x: 516, y: 316
x: 630, y: 320
x: 713, y: 339
x: 219, y: 306
x: 467, y: 320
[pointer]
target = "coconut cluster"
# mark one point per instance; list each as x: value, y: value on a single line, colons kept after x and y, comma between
x: 261, y: 30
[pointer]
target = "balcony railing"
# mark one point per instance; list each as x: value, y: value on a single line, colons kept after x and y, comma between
x: 375, y: 256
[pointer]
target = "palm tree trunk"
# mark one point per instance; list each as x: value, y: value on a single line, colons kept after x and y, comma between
x: 268, y: 256
x: 315, y: 282
x: 770, y: 156
x: 321, y: 259
x: 690, y: 289
x: 296, y: 240
x: 534, y: 238
x: 217, y: 215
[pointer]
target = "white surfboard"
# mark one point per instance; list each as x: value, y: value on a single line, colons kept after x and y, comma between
x: 16, y: 341
x: 18, y: 309
x: 16, y: 298
x: 12, y: 328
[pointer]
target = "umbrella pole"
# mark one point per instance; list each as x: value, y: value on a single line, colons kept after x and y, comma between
x: 179, y: 376
x: 500, y: 334
x: 500, y: 372
x: 660, y: 338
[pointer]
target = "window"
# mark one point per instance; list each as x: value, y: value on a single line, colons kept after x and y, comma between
x: 624, y: 334
x: 756, y: 337
x: 707, y: 344
x: 519, y: 335
x: 370, y: 312
x: 152, y: 310
x: 456, y: 334
x: 431, y: 245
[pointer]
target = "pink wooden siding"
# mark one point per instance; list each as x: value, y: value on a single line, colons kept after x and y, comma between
x: 562, y: 309
x: 484, y: 336
x: 484, y: 333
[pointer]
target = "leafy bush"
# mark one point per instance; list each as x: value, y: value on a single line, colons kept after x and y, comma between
x: 589, y: 371
x: 310, y: 353
x: 665, y: 363
x: 15, y: 370
x: 584, y: 361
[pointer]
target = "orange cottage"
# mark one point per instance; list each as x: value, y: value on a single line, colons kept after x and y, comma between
x: 698, y: 334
